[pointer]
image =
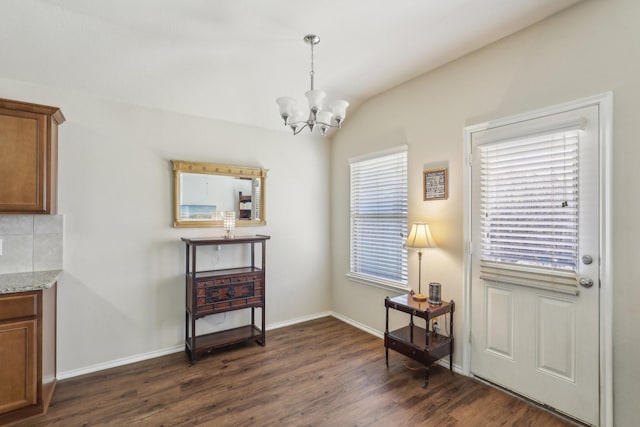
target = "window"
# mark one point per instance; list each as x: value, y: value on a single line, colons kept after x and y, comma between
x: 529, y: 201
x: 379, y: 218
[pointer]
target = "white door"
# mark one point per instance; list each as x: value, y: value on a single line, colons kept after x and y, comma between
x: 535, y: 238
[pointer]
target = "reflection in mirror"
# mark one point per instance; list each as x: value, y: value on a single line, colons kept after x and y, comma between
x: 203, y: 191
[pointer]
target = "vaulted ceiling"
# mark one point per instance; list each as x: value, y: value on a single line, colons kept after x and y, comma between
x: 229, y: 60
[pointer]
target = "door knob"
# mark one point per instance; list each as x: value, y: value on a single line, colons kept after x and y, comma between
x: 586, y: 282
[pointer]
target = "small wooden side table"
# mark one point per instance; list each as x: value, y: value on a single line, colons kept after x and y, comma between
x: 420, y: 344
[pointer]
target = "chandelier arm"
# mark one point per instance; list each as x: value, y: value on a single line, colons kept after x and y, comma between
x: 305, y: 122
x: 299, y: 129
x: 327, y: 124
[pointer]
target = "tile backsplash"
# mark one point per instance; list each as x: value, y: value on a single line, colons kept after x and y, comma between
x: 31, y: 243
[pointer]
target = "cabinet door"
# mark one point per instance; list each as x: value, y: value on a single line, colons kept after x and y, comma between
x: 23, y: 161
x: 18, y: 365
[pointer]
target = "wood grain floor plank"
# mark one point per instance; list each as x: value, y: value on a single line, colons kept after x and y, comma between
x: 318, y: 373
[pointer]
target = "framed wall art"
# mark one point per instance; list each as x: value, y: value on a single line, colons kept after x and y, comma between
x: 435, y: 184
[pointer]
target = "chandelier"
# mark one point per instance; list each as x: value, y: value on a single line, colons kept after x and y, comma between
x: 294, y: 116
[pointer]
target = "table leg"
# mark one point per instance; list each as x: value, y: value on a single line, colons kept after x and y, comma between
x: 264, y: 319
x: 451, y: 337
x: 386, y: 331
x: 426, y: 376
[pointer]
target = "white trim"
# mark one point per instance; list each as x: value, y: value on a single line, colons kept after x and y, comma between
x: 361, y: 326
x: 468, y: 248
x: 118, y: 362
x: 63, y: 375
x: 605, y: 108
x: 297, y: 320
x: 444, y: 362
x: 605, y: 104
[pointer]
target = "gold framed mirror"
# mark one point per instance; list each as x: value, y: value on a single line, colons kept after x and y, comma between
x: 203, y: 191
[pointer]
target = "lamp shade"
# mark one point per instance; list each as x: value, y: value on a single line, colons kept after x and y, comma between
x: 315, y: 98
x: 324, y: 116
x: 287, y: 106
x: 420, y: 237
x: 339, y: 109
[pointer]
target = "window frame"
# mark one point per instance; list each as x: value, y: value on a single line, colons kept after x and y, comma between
x: 401, y: 285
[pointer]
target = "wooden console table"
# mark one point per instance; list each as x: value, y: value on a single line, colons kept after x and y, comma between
x: 222, y: 290
x: 420, y: 344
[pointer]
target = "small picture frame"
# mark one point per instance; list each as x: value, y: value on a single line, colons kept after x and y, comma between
x: 435, y: 184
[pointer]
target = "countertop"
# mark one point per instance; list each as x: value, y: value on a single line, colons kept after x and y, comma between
x: 30, y: 281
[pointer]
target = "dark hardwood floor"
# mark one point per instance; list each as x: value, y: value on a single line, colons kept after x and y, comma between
x: 318, y: 373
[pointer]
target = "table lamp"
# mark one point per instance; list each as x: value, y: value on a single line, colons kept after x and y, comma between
x: 420, y: 238
x: 229, y: 223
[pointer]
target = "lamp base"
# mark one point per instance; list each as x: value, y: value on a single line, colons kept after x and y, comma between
x: 419, y: 297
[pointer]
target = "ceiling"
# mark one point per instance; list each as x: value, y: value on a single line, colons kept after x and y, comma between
x: 229, y: 60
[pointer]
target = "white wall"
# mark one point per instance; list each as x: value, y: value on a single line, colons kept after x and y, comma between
x: 122, y: 292
x: 586, y: 50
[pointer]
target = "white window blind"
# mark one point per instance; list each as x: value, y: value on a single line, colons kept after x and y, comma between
x: 379, y: 218
x: 529, y: 206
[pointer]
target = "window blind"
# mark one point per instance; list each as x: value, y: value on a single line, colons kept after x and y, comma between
x: 379, y: 217
x: 529, y: 202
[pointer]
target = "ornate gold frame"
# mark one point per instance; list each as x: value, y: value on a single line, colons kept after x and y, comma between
x: 180, y: 166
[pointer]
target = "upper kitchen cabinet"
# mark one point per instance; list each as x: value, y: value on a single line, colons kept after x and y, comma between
x: 28, y: 157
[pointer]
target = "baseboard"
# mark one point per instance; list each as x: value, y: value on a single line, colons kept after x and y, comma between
x: 358, y: 325
x: 63, y: 375
x: 297, y: 320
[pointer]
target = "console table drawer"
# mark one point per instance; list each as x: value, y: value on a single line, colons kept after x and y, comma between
x: 211, y: 296
x: 407, y: 349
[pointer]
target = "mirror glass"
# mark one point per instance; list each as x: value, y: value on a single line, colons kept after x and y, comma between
x: 203, y: 191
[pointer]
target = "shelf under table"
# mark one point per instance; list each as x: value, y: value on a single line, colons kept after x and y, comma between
x: 438, y: 345
x: 206, y: 342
